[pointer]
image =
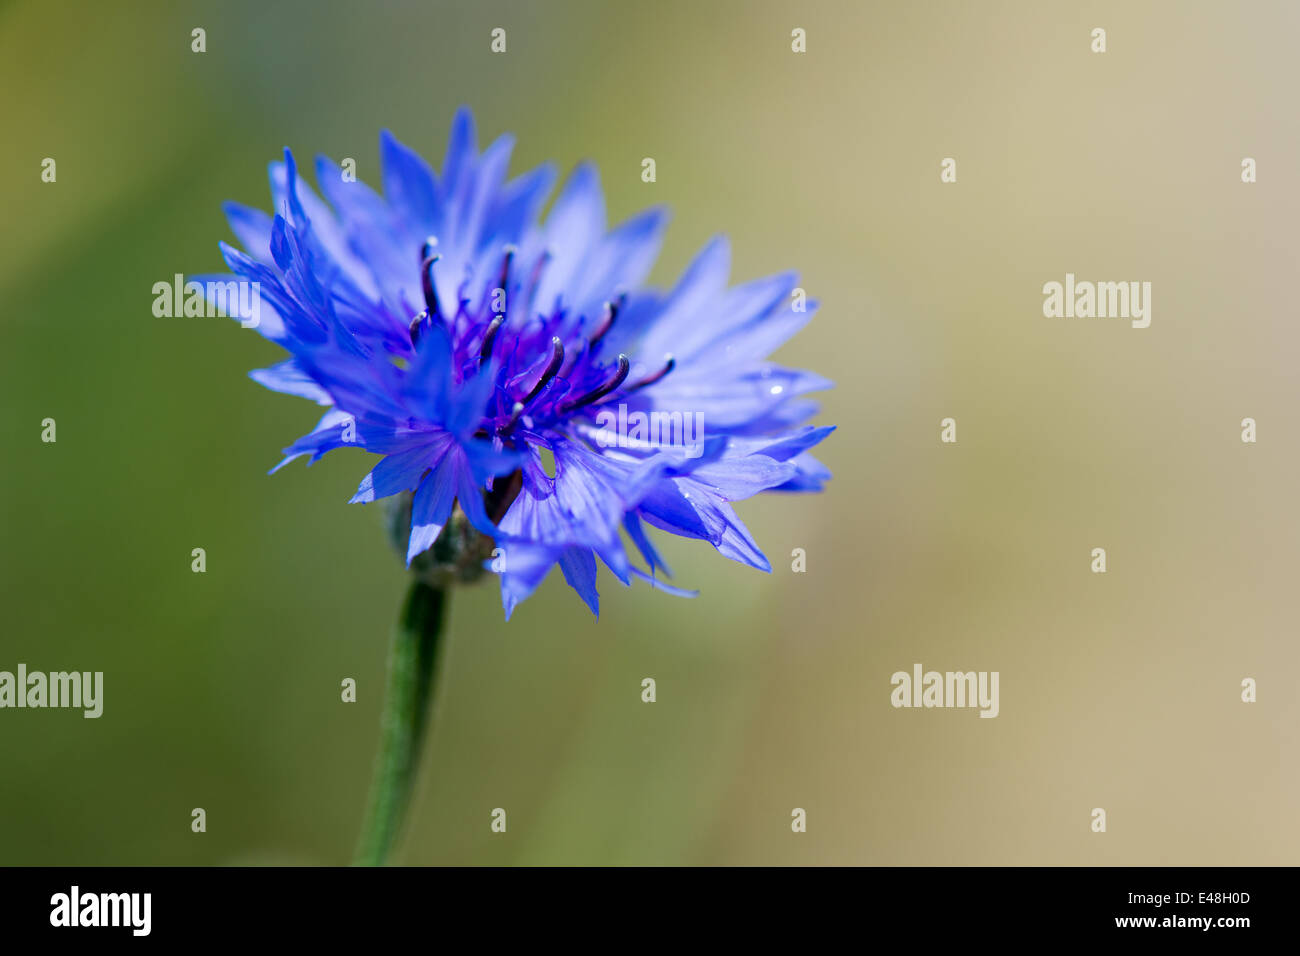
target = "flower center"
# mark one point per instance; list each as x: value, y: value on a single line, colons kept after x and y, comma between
x: 529, y: 393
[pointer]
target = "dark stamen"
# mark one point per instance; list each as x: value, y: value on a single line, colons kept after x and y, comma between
x: 669, y: 365
x: 623, y: 366
x: 514, y: 417
x: 505, y: 278
x: 611, y: 313
x: 503, y: 494
x: 416, y: 324
x: 548, y: 373
x: 489, y: 337
x: 427, y: 258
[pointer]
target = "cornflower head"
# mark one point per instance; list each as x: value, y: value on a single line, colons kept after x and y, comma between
x: 532, y: 402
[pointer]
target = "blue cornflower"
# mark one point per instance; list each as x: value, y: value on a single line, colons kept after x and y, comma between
x: 513, y: 371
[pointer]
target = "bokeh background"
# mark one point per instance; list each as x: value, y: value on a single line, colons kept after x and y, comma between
x: 1119, y: 691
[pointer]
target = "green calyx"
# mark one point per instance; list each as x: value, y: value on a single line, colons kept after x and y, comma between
x: 457, y: 557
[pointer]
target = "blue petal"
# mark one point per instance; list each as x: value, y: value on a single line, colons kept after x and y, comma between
x: 409, y: 185
x: 372, y: 233
x: 739, y: 545
x: 739, y: 311
x: 781, y: 447
x: 472, y: 208
x: 811, y: 475
x: 526, y: 566
x: 270, y: 325
x: 756, y: 340
x: 518, y: 203
x: 643, y: 543
x: 252, y: 227
x: 733, y: 400
x: 579, y: 567
x: 663, y: 585
x: 329, y: 238
x: 287, y: 377
x: 400, y: 472
x: 430, y: 509
x: 469, y: 491
x: 689, y: 303
x: 735, y: 479
x: 573, y: 228
x: 326, y: 436
x: 667, y: 509
x: 729, y: 534
x: 461, y: 150
x: 620, y: 262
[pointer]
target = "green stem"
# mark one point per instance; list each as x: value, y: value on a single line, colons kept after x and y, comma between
x: 412, y: 666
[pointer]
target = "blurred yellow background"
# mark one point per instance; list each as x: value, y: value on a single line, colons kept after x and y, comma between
x: 1119, y: 691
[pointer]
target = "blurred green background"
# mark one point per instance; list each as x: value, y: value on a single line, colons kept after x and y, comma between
x: 1118, y: 691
